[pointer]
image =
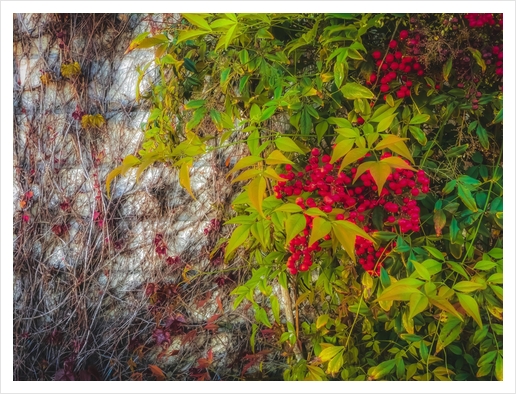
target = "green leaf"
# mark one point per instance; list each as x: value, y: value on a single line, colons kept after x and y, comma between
x: 468, y: 286
x: 485, y: 265
x: 294, y: 225
x: 470, y: 306
x: 456, y: 151
x: 483, y: 137
x: 305, y: 122
x: 458, y: 268
x: 275, y: 308
x: 477, y: 55
x: 330, y: 352
x: 445, y: 305
x: 321, y: 129
x: 382, y: 369
x: 447, y: 68
x: 418, y: 303
x: 321, y: 227
x: 291, y: 208
x: 418, y: 134
x: 434, y: 252
x: 267, y: 113
x: 255, y: 191
x: 418, y: 119
x: 261, y: 316
x: 287, y: 144
x: 499, y: 117
x: 467, y: 198
x: 189, y: 34
x: 197, y: 21
x: 499, y: 368
x: 239, y: 236
x: 276, y: 157
x: 398, y: 292
x: 385, y: 123
x: 194, y: 104
x: 448, y: 334
x: 421, y: 270
x: 353, y: 90
x: 449, y: 187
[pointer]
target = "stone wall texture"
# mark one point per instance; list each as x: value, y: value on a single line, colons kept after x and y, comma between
x: 83, y: 261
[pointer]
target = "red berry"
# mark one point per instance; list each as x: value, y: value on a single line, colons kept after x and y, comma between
x: 404, y: 34
x: 376, y: 55
x: 339, y: 216
x: 316, y: 152
x: 384, y: 88
x: 360, y: 120
x: 288, y: 167
x: 393, y: 44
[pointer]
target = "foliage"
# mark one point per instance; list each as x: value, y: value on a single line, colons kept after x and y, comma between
x: 402, y: 117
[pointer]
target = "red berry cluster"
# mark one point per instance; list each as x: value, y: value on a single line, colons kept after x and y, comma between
x: 321, y: 186
x: 479, y: 20
x: 395, y: 66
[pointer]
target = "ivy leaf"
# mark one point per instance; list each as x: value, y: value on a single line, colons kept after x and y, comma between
x: 353, y: 91
x: 184, y: 177
x: 470, y: 306
x: 256, y: 190
x: 467, y: 198
x: 239, y: 236
x: 294, y: 225
x: 321, y: 227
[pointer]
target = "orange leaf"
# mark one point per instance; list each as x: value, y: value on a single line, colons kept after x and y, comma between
x: 157, y: 372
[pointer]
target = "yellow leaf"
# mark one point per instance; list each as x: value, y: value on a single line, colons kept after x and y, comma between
x: 184, y: 177
x: 346, y: 239
x: 112, y: 175
x: 401, y: 149
x: 380, y: 171
x: 388, y: 141
x: 321, y: 227
x: 248, y: 174
x: 256, y: 190
x: 342, y: 148
x: 276, y: 157
x: 444, y: 304
x: 353, y: 156
x: 245, y: 162
x: 397, y: 162
x: 294, y: 225
x: 197, y: 21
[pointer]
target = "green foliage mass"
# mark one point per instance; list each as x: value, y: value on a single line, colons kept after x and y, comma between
x: 282, y: 84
